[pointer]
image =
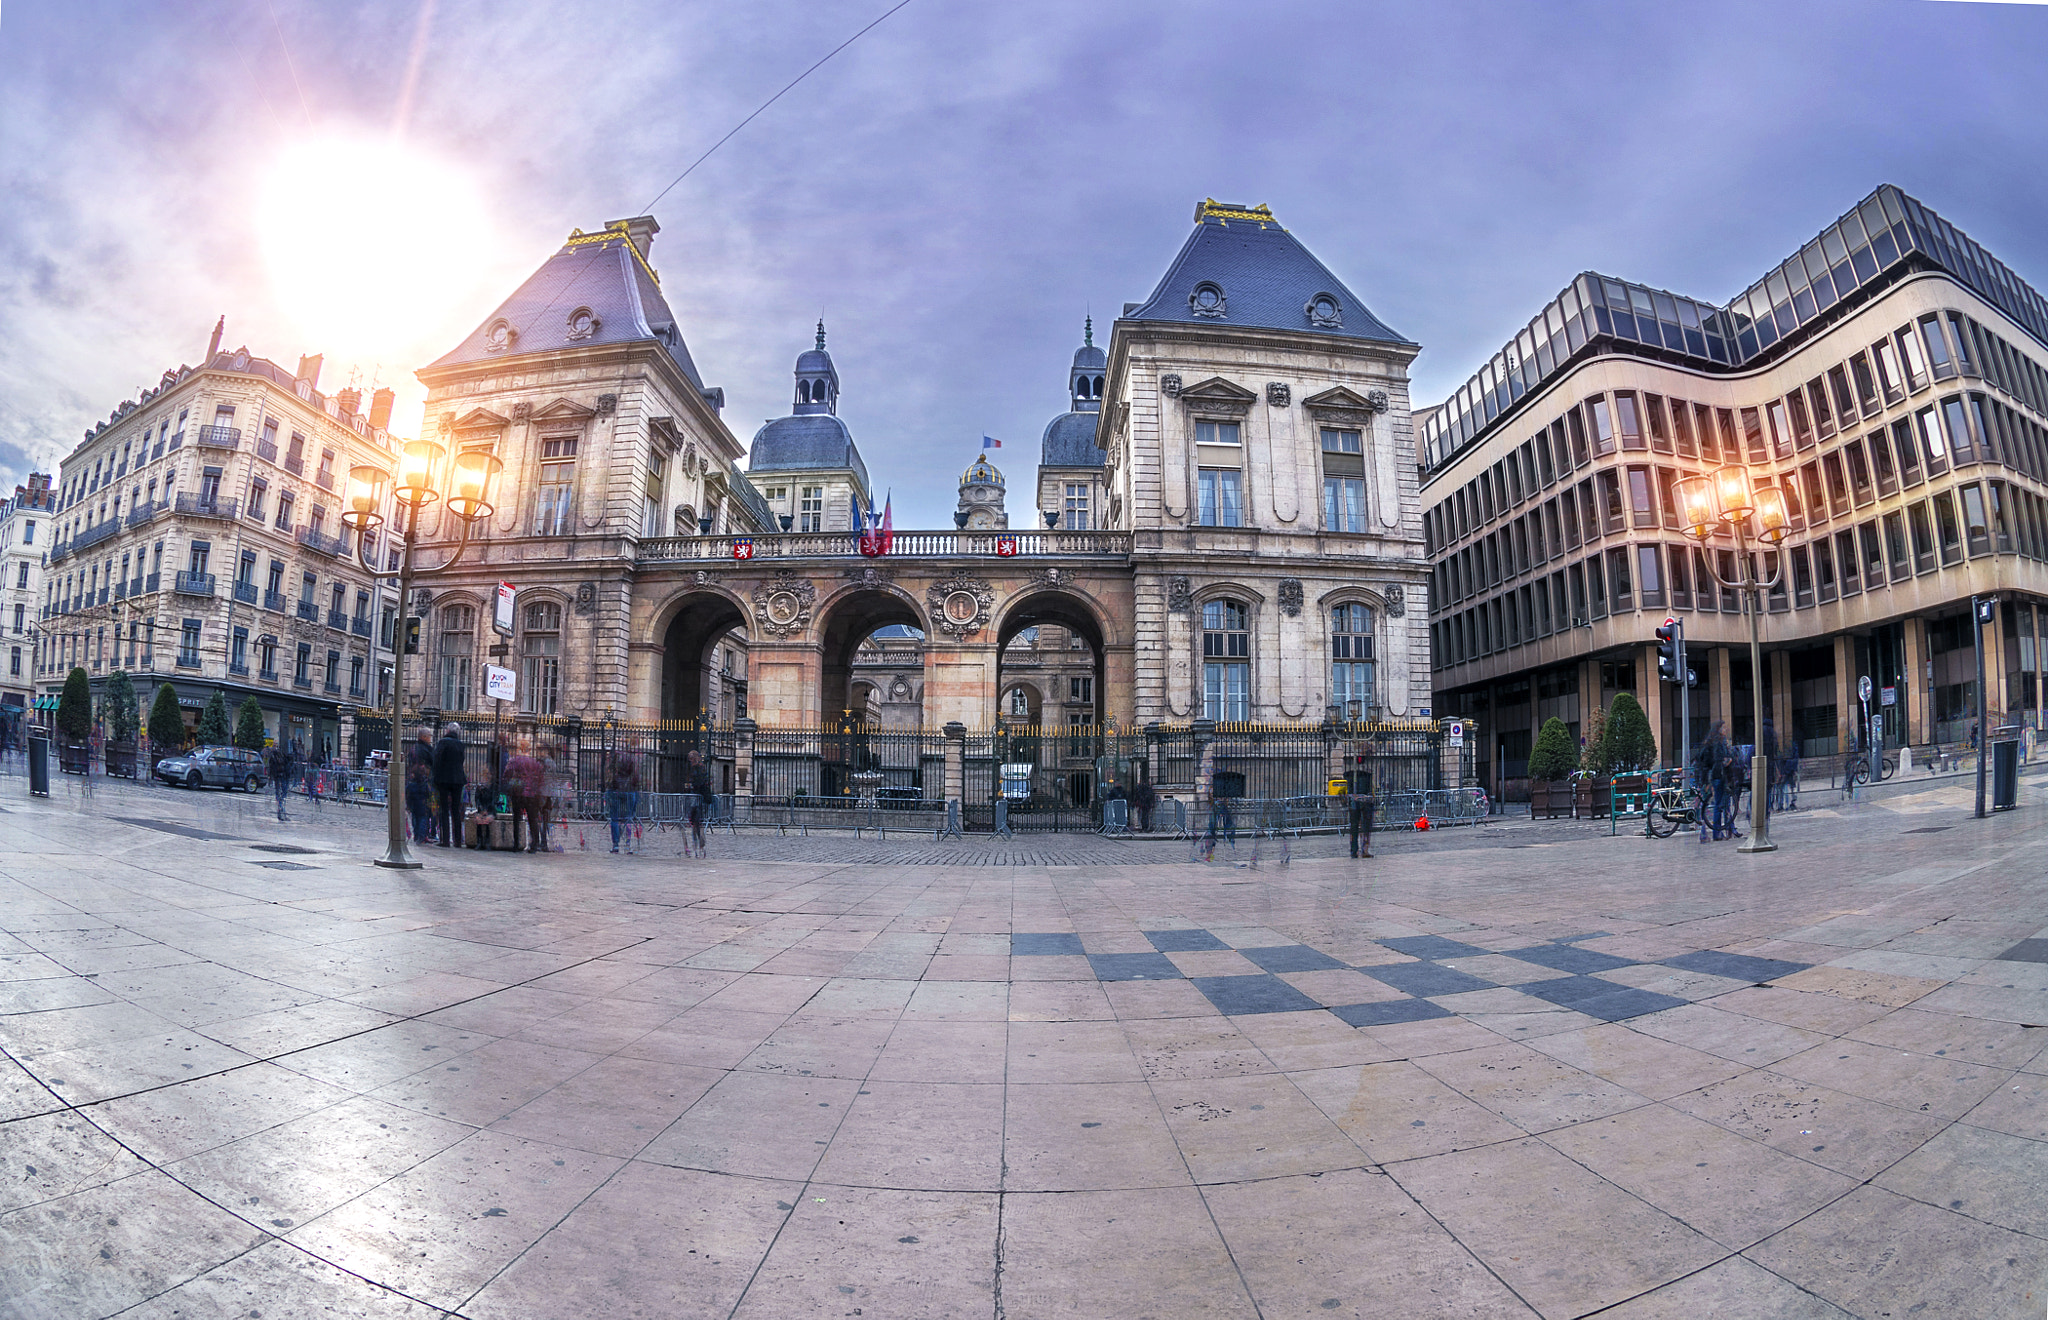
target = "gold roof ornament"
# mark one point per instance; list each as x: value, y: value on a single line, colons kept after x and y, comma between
x: 1228, y: 211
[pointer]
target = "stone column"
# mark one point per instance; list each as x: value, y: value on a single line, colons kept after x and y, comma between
x: 1205, y: 767
x: 1848, y: 714
x: 1722, y: 698
x: 1781, y: 695
x: 1914, y: 699
x: 1650, y: 691
x: 956, y: 759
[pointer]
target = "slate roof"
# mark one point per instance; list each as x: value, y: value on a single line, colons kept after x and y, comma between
x: 602, y: 272
x: 793, y: 444
x: 1267, y: 278
x: 1070, y: 441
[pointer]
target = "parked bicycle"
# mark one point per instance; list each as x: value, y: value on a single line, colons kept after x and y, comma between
x: 1675, y: 804
x: 1859, y: 770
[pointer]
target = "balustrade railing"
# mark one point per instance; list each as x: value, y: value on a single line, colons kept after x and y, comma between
x: 905, y: 545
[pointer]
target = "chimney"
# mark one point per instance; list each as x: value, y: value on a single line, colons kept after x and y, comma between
x: 213, y: 344
x: 309, y: 370
x: 348, y: 400
x: 380, y: 409
x: 641, y: 229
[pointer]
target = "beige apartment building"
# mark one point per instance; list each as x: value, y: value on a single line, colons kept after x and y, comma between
x: 1889, y: 377
x: 198, y: 542
x: 24, y: 544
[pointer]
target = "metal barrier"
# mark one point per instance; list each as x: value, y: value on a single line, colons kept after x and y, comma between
x: 1116, y: 817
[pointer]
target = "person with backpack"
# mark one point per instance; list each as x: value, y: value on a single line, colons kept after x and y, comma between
x: 1713, y: 769
x: 697, y: 783
x: 450, y: 777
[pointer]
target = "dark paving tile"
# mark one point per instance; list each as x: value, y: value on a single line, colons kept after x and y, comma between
x: 1564, y: 958
x: 1739, y: 966
x: 1432, y: 946
x: 1253, y: 994
x: 1423, y: 979
x: 2026, y: 951
x: 1627, y: 1002
x: 1570, y: 990
x: 1184, y: 941
x: 1133, y: 967
x: 1389, y: 1011
x: 1293, y: 958
x: 1032, y: 945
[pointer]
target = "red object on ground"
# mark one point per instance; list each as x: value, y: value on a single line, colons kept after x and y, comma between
x: 1422, y: 822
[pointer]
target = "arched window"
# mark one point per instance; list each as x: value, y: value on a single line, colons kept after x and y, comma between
x: 1020, y: 703
x: 540, y: 686
x: 1351, y: 661
x: 1226, y: 661
x: 1096, y: 387
x: 458, y: 648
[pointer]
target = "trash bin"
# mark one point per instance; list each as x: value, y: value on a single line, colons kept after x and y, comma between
x: 2005, y: 775
x: 39, y: 766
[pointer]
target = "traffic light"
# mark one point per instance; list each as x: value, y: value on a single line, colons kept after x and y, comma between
x: 1667, y: 652
x: 412, y: 634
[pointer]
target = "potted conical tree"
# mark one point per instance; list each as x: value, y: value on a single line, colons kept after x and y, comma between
x: 214, y: 729
x: 1631, y: 749
x: 74, y: 724
x: 1550, y: 769
x: 1589, y: 786
x: 249, y: 731
x: 119, y: 707
x: 166, y: 723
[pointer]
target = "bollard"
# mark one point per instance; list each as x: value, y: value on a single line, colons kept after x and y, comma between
x: 39, y: 767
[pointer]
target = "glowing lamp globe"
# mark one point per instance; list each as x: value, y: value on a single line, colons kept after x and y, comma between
x: 365, y: 493
x: 419, y: 463
x: 469, y: 487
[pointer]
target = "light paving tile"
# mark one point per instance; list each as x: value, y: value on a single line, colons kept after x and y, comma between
x: 1152, y: 1252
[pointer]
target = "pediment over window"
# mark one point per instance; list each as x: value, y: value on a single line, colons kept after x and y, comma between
x: 478, y: 419
x: 1339, y: 404
x: 1218, y: 395
x: 664, y: 429
x: 564, y: 410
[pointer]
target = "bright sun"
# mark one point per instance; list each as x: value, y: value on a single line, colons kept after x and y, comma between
x: 369, y: 243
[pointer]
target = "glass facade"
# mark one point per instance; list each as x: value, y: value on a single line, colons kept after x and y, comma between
x: 1886, y: 231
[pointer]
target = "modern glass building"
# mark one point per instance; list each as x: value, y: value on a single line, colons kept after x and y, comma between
x: 1888, y: 376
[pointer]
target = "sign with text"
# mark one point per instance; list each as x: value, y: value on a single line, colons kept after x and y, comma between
x: 500, y: 683
x: 501, y: 619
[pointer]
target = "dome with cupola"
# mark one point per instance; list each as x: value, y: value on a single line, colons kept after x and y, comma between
x: 981, y: 498
x: 1069, y: 439
x: 812, y: 437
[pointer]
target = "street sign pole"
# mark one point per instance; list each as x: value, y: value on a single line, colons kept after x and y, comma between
x: 1980, y: 614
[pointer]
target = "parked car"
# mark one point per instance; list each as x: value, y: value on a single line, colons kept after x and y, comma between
x: 223, y: 767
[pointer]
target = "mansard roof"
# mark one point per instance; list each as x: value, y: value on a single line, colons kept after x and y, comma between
x: 1240, y: 268
x: 598, y: 289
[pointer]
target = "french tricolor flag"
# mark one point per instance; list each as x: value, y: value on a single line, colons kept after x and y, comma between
x: 990, y: 442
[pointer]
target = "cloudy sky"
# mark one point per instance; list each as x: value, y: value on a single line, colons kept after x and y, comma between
x: 953, y: 192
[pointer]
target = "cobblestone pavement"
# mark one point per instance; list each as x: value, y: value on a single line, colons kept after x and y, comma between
x: 246, y: 1072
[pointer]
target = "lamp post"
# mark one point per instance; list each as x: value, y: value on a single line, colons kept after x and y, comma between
x: 418, y: 474
x: 1726, y: 500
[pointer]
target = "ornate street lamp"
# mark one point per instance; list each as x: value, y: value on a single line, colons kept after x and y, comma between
x: 413, y: 485
x: 1727, y: 500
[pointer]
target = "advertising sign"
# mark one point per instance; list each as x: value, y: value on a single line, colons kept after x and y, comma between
x: 501, y: 621
x: 500, y: 684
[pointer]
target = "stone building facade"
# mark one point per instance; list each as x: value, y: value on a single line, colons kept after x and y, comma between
x: 24, y: 544
x: 198, y: 542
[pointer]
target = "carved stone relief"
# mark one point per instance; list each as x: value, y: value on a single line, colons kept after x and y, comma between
x: 1290, y: 596
x: 960, y: 606
x: 870, y: 577
x: 607, y: 404
x: 1278, y: 394
x: 783, y: 605
x: 1169, y: 385
x: 1180, y: 595
x: 586, y: 599
x: 1378, y: 400
x: 1396, y: 597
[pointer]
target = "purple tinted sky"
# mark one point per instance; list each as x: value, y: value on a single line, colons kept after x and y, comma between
x: 955, y: 190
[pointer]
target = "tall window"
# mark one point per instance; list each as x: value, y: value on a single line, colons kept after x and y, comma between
x: 188, y: 643
x: 650, y: 522
x: 1020, y: 702
x: 1343, y: 480
x: 1222, y: 497
x: 557, y: 484
x: 1076, y: 515
x: 1351, y: 658
x: 458, y: 646
x: 810, y: 512
x: 540, y: 687
x: 1226, y: 661
x: 285, y: 500
x: 1216, y: 433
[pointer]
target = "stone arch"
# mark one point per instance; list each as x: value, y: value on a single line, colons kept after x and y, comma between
x: 687, y: 629
x: 844, y: 621
x: 1069, y: 609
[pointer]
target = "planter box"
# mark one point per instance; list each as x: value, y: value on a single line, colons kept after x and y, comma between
x: 1549, y: 799
x: 74, y: 758
x: 1592, y: 799
x: 121, y: 759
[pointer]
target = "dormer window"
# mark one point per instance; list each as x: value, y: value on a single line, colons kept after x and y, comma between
x: 1207, y: 300
x: 1324, y: 312
x: 583, y: 323
x: 500, y: 336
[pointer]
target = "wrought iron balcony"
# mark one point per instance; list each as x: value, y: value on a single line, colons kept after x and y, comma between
x: 295, y: 464
x: 95, y: 534
x: 309, y: 611
x: 59, y: 553
x: 268, y: 675
x: 324, y: 479
x: 338, y: 620
x: 102, y: 596
x: 120, y: 591
x: 195, y: 506
x: 217, y: 437
x: 245, y: 592
x: 332, y: 689
x: 152, y: 582
x: 142, y: 513
x: 274, y: 600
x: 360, y: 626
x: 239, y: 668
x: 194, y: 584
x: 301, y: 681
x: 266, y: 451
x: 321, y: 543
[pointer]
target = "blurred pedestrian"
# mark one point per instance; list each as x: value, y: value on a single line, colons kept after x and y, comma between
x: 622, y: 798
x: 450, y: 776
x: 1143, y: 799
x: 697, y: 783
x: 278, y: 765
x: 526, y: 781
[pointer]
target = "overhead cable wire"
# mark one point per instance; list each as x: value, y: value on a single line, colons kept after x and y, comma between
x: 772, y: 100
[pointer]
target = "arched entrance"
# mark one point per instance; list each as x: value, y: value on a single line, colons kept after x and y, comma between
x: 703, y: 677
x: 849, y: 622
x: 1049, y: 695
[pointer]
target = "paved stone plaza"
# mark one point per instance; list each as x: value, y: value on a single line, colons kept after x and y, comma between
x: 1511, y: 1070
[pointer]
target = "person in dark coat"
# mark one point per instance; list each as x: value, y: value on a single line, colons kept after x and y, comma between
x: 278, y: 765
x: 697, y: 784
x: 1364, y: 806
x: 1143, y: 799
x: 449, y: 779
x: 418, y: 779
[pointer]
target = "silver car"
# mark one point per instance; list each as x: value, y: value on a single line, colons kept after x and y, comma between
x: 223, y: 767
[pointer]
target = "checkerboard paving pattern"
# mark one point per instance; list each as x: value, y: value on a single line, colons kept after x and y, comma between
x: 1553, y: 972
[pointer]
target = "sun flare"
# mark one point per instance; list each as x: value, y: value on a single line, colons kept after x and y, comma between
x: 369, y: 242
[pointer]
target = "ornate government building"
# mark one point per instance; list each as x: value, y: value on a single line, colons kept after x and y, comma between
x: 1227, y: 523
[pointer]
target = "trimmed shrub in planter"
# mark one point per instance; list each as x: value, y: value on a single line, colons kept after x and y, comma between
x: 1550, y: 768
